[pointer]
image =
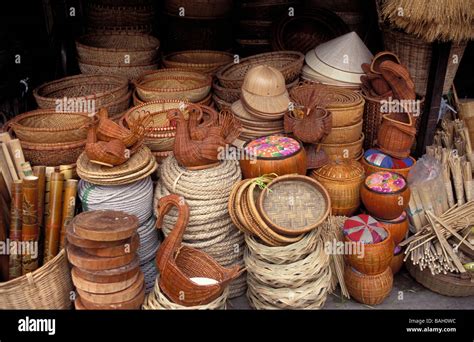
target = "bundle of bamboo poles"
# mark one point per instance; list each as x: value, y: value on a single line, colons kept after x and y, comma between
x: 435, y: 245
x: 42, y: 205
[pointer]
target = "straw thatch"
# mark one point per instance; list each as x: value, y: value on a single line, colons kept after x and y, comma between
x: 444, y: 20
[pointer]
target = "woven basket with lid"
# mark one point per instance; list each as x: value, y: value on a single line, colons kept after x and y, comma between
x: 342, y: 179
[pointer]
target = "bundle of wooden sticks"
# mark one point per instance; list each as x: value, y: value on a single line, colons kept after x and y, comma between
x: 435, y: 246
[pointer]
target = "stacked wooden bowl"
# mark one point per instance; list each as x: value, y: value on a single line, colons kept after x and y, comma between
x: 173, y: 84
x: 122, y: 54
x: 263, y: 102
x: 102, y: 248
x: 230, y: 77
x: 368, y: 275
x: 50, y: 138
x: 347, y: 107
x: 286, y: 210
x: 86, y: 93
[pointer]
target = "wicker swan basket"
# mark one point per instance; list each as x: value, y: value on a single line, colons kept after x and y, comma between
x: 47, y: 288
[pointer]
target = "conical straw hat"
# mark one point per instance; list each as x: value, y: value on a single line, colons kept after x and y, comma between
x: 264, y: 90
x: 340, y: 59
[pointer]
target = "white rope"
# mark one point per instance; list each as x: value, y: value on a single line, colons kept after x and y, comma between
x: 149, y: 241
x: 150, y: 273
x: 134, y: 199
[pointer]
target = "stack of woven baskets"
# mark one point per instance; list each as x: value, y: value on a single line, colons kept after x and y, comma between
x: 263, y: 102
x: 346, y: 107
x: 173, y: 84
x: 205, y: 61
x: 197, y: 24
x: 368, y: 275
x: 285, y: 260
x: 49, y: 137
x: 102, y: 248
x: 120, y: 16
x: 85, y: 93
x: 256, y: 19
x: 230, y: 78
x: 210, y: 227
x: 122, y: 54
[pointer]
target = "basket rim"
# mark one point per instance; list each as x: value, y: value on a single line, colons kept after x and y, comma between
x: 80, y: 42
x: 392, y: 221
x: 378, y: 244
x: 202, y: 83
x: 15, y: 121
x: 364, y: 161
x: 103, y: 65
x: 305, y: 179
x: 361, y: 177
x: 358, y: 141
x: 168, y: 57
x: 278, y: 158
x: 220, y: 74
x: 389, y: 193
x: 54, y: 146
x: 121, y: 82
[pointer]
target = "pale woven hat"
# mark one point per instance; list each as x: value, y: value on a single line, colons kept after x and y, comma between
x: 264, y: 90
x: 340, y: 59
x: 309, y: 74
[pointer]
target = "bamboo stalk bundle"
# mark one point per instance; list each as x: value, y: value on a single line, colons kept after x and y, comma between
x: 429, y: 247
x: 29, y: 230
x: 456, y: 172
x: 69, y: 208
x: 447, y: 177
x: 467, y: 178
x: 53, y: 223
x: 15, y: 228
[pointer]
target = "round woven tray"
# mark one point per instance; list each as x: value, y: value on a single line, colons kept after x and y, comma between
x: 207, y: 61
x: 102, y: 89
x: 128, y: 71
x: 49, y: 127
x: 289, y: 63
x: 294, y: 204
x: 118, y: 49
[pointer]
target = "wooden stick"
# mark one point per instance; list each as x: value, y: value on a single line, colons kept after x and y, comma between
x: 30, y: 231
x: 15, y: 228
x: 53, y: 223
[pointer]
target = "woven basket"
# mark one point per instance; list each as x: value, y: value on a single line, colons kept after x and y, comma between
x: 344, y: 135
x: 206, y: 61
x: 52, y: 154
x: 47, y: 288
x: 373, y: 115
x: 123, y: 49
x: 115, y: 15
x: 193, y: 87
x: 289, y: 63
x: 370, y: 290
x: 452, y: 285
x: 415, y: 54
x: 130, y: 72
x: 342, y: 180
x: 342, y: 151
x: 47, y: 126
x: 204, y: 9
x: 221, y: 104
x: 102, y: 89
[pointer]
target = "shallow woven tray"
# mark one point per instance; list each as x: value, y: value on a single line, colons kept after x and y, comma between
x: 129, y: 71
x: 45, y: 126
x: 207, y: 61
x: 294, y: 204
x: 289, y: 63
x: 102, y: 89
x: 112, y: 48
x: 52, y: 154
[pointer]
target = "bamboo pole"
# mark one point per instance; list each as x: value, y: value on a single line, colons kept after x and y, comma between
x: 69, y: 207
x: 15, y: 228
x: 30, y: 231
x: 53, y: 222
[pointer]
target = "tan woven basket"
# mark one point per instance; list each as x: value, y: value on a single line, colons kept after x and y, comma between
x: 118, y: 48
x: 47, y: 288
x: 200, y: 8
x: 192, y: 87
x: 128, y: 71
x: 52, y: 154
x: 289, y: 63
x: 102, y: 89
x: 342, y: 151
x: 221, y: 104
x: 206, y: 61
x: 344, y: 135
x: 47, y: 126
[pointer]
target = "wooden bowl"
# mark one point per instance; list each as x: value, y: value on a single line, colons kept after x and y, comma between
x: 397, y: 227
x: 369, y: 168
x: 385, y: 205
x: 368, y: 289
x: 376, y: 256
x: 281, y: 165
